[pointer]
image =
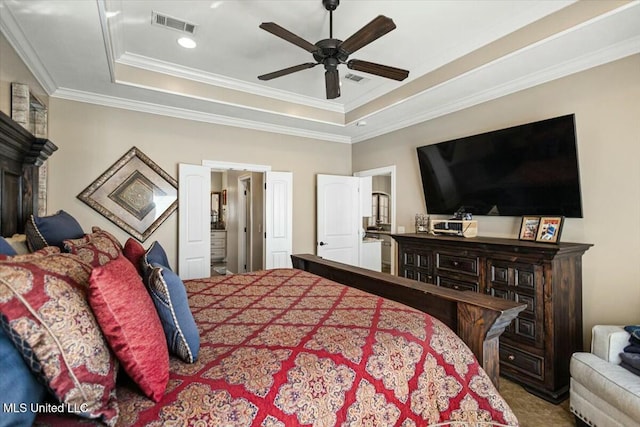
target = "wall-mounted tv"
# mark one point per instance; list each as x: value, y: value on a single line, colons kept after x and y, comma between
x: 531, y: 169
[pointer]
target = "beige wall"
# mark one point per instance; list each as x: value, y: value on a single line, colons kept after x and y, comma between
x: 606, y: 102
x: 12, y: 69
x: 91, y: 138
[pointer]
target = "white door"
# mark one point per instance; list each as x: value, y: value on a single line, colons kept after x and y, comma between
x: 194, y: 221
x: 278, y: 219
x: 338, y: 218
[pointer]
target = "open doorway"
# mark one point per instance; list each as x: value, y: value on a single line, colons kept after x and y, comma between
x: 382, y: 223
x: 242, y: 219
x: 274, y: 227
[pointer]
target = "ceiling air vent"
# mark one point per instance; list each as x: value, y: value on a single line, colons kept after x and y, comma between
x: 173, y: 23
x: 356, y: 78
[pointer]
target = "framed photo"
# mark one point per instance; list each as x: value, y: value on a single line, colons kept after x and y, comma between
x: 529, y: 228
x: 549, y: 229
x: 134, y: 193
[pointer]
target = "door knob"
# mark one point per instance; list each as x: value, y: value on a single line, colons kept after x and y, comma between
x: 322, y: 243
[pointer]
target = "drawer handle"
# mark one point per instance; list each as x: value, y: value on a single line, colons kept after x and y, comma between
x: 511, y: 357
x: 456, y: 287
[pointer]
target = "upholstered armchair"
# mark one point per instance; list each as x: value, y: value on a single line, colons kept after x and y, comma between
x: 603, y: 393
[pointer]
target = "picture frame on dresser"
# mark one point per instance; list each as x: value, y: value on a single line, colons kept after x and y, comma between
x: 549, y: 229
x: 529, y: 228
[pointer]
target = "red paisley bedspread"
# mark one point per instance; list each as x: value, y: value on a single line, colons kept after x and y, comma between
x: 287, y: 348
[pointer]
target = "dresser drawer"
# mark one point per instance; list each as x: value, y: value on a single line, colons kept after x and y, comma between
x: 526, y: 363
x: 416, y: 260
x: 218, y: 243
x: 218, y: 253
x: 468, y: 265
x: 458, y: 285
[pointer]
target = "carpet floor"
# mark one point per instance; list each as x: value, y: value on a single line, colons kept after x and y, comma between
x: 532, y: 411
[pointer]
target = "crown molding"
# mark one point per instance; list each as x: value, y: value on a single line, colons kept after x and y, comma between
x: 174, y: 70
x: 182, y: 113
x: 576, y: 65
x: 25, y: 51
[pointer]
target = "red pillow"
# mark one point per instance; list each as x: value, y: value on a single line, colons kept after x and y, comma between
x: 131, y: 325
x: 134, y: 252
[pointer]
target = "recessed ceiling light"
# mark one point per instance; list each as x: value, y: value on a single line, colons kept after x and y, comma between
x: 186, y: 42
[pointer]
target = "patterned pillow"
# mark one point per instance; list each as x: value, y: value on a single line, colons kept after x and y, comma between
x: 97, y: 248
x: 51, y: 230
x: 170, y: 298
x: 133, y: 330
x: 134, y: 252
x: 18, y: 385
x: 47, y: 317
x: 46, y: 251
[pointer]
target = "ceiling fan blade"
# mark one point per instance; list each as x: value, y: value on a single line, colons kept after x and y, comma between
x: 286, y: 71
x: 332, y: 82
x: 365, y: 35
x: 378, y: 69
x: 287, y: 35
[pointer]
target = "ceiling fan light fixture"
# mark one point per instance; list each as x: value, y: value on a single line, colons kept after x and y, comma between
x: 187, y: 43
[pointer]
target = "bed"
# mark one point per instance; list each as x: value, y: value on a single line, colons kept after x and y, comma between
x: 320, y: 344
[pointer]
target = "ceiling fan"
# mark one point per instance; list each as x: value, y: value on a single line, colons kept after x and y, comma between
x: 332, y: 52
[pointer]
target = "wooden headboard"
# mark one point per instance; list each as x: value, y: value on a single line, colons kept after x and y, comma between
x: 21, y: 155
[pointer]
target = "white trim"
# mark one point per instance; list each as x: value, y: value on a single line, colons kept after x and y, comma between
x: 106, y: 38
x: 217, y: 166
x: 214, y: 100
x: 245, y: 254
x: 16, y: 38
x: 146, y: 63
x: 582, y: 63
x: 182, y: 113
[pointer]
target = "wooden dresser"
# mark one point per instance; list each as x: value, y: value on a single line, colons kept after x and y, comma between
x: 536, y: 347
x: 218, y: 245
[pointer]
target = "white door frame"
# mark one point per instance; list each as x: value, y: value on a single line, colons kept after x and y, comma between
x: 245, y: 240
x: 387, y: 170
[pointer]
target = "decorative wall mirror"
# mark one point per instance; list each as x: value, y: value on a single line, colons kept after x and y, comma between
x: 380, y: 208
x: 216, y: 207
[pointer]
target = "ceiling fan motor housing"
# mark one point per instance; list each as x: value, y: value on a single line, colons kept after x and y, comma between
x: 329, y: 48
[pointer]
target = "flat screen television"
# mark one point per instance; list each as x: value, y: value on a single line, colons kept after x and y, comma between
x: 531, y: 169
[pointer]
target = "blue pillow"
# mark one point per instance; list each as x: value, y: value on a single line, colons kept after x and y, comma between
x: 19, y: 386
x: 634, y: 330
x: 6, y: 248
x: 156, y: 255
x: 51, y: 230
x: 170, y: 298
